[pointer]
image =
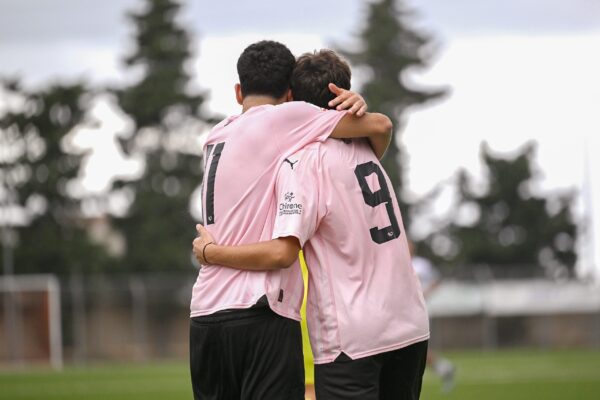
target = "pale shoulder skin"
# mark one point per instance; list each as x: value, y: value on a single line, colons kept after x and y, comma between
x: 263, y: 256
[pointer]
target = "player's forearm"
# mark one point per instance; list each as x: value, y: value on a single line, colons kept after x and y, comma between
x: 380, y: 144
x: 370, y: 125
x: 263, y: 256
x: 358, y: 124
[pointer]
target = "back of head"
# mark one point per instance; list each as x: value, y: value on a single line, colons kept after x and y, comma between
x: 265, y: 68
x: 312, y: 74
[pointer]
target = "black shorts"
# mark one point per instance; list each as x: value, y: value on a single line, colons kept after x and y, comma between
x: 250, y: 354
x: 394, y: 375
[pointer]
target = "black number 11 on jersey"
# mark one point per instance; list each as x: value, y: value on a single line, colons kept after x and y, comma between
x: 209, y: 208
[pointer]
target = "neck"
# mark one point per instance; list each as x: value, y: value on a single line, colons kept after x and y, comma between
x: 257, y: 100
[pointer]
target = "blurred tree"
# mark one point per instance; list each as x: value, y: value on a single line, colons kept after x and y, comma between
x: 388, y: 48
x: 36, y: 169
x: 506, y: 226
x: 158, y: 226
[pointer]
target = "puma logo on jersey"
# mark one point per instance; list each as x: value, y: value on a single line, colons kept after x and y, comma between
x: 290, y: 162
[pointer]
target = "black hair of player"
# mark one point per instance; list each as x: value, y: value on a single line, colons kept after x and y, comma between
x: 264, y: 68
x: 312, y: 74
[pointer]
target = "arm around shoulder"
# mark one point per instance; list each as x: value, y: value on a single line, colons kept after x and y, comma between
x: 371, y: 124
x: 263, y: 256
x: 374, y: 126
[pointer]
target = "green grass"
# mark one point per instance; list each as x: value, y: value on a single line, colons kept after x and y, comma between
x: 114, y: 382
x: 513, y: 375
x: 517, y: 375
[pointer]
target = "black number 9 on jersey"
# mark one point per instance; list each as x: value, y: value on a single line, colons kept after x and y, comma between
x: 374, y: 199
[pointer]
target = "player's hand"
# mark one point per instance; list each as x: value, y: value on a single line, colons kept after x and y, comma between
x: 348, y: 100
x: 201, y: 242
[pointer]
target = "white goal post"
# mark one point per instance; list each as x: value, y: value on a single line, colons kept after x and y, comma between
x: 31, y: 320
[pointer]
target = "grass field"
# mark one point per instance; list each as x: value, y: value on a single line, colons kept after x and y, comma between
x: 513, y: 375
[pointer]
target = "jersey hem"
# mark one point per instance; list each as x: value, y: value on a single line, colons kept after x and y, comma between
x: 295, y: 317
x: 363, y: 354
x: 242, y: 306
x: 201, y: 313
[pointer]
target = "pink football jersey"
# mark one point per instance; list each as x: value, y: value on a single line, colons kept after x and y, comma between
x: 363, y: 295
x: 243, y: 154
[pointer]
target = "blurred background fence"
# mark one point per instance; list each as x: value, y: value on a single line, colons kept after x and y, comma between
x: 515, y: 313
x: 102, y: 317
x: 129, y: 317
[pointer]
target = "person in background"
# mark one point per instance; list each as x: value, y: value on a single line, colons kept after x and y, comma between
x: 431, y: 279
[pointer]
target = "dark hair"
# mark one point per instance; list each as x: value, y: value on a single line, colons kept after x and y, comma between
x: 264, y: 68
x: 312, y: 74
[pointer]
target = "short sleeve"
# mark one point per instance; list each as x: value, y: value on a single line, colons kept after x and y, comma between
x: 300, y: 123
x: 297, y: 197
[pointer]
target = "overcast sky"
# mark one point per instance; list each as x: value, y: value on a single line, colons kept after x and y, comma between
x: 79, y: 37
x: 519, y: 70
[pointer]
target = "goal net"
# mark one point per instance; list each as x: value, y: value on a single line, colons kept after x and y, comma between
x: 30, y: 322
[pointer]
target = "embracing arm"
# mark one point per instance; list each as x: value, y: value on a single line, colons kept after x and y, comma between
x: 263, y: 256
x: 376, y: 127
x: 358, y: 123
